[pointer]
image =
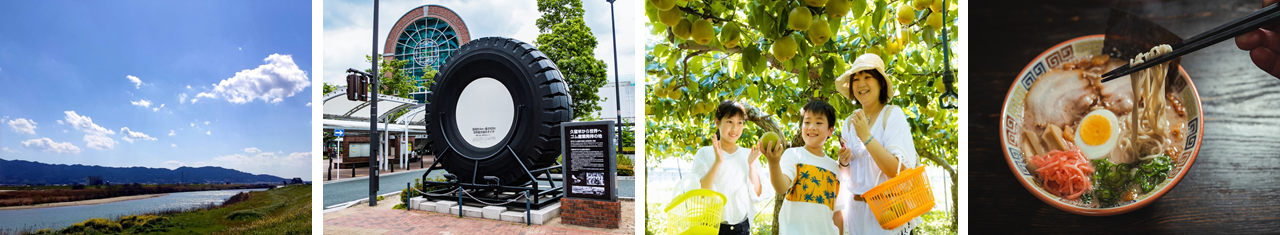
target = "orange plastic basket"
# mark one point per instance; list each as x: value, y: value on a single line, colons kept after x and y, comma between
x: 902, y: 198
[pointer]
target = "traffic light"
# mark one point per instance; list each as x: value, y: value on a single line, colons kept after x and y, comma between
x: 357, y: 85
x: 363, y: 89
x: 353, y: 86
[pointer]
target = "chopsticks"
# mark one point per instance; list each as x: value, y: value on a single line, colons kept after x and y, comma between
x: 1248, y: 23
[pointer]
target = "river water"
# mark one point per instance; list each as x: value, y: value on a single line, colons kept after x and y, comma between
x: 59, y: 217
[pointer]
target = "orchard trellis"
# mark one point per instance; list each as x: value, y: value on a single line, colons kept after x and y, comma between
x: 777, y: 54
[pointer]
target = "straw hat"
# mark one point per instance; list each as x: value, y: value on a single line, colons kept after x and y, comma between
x: 864, y: 62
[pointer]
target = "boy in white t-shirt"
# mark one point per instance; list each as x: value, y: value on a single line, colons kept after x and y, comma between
x: 808, y: 176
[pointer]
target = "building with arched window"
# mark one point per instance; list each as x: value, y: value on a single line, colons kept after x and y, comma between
x: 425, y: 36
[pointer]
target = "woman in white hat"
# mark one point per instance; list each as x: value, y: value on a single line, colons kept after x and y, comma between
x: 879, y: 139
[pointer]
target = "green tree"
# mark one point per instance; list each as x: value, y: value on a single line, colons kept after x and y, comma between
x: 557, y: 11
x: 685, y: 79
x: 329, y: 88
x: 568, y: 42
x: 428, y: 77
x: 393, y: 79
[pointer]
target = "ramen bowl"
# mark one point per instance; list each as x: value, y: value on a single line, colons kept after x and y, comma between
x: 1011, y: 121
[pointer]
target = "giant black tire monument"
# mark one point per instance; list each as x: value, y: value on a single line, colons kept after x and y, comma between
x: 495, y: 109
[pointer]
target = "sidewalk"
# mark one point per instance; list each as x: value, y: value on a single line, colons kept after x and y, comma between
x: 362, y: 219
x: 345, y: 173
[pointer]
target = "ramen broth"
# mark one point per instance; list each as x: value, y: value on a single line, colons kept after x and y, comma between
x: 1061, y: 97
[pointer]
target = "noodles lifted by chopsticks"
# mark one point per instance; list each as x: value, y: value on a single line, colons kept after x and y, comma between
x: 1149, y: 129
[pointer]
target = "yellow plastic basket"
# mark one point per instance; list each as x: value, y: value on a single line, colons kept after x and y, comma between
x: 902, y: 198
x: 695, y: 212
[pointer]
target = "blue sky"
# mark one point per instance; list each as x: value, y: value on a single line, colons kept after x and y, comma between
x: 347, y: 26
x: 158, y: 84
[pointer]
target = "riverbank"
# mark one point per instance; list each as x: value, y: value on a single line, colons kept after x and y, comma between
x: 34, y: 197
x: 284, y: 210
x: 84, y: 202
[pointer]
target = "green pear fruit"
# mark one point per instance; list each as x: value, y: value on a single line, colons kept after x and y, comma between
x: 819, y: 32
x: 784, y: 48
x: 703, y: 31
x: 800, y: 18
x: 684, y: 29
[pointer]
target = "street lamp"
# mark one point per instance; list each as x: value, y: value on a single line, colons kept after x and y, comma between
x: 617, y: 94
x: 373, y: 115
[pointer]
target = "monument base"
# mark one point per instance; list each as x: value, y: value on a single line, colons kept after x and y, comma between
x: 538, y: 216
x: 591, y: 213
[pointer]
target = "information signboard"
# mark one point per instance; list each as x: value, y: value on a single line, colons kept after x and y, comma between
x: 590, y: 161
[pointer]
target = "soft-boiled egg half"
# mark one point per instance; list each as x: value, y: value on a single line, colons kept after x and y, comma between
x: 1097, y: 134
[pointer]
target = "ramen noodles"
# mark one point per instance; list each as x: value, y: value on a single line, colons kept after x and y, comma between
x: 1102, y: 143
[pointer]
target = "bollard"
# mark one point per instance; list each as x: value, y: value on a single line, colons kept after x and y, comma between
x: 528, y: 214
x: 460, y: 192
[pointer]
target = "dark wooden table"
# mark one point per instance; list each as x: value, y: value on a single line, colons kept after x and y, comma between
x: 1234, y: 185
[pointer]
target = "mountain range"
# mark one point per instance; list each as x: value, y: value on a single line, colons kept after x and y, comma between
x: 20, y: 172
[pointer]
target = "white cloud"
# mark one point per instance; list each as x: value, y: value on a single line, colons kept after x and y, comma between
x: 295, y: 164
x: 137, y: 83
x: 308, y: 104
x: 188, y: 87
x: 173, y: 145
x: 47, y: 145
x: 162, y: 105
x: 206, y: 123
x: 193, y: 100
x: 239, y: 49
x: 130, y: 135
x: 60, y: 122
x: 155, y: 109
x: 143, y: 102
x: 182, y: 98
x: 193, y: 125
x: 208, y: 133
x: 271, y: 82
x: 173, y: 164
x: 6, y: 149
x: 84, y: 123
x: 99, y: 142
x: 64, y: 131
x: 252, y: 150
x: 171, y: 133
x: 22, y: 125
x: 95, y: 136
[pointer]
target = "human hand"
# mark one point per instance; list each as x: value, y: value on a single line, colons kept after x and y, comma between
x: 715, y: 146
x: 860, y: 126
x: 754, y: 156
x: 772, y: 151
x: 1263, y: 45
x: 845, y: 153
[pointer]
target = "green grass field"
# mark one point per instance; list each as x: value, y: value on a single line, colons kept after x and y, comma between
x: 285, y: 210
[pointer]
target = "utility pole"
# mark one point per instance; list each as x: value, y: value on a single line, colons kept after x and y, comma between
x: 373, y: 115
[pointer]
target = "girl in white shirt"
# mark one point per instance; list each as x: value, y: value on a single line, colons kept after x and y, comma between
x: 730, y: 170
x: 879, y: 139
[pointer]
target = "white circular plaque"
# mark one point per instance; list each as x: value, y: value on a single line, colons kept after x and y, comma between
x: 485, y: 112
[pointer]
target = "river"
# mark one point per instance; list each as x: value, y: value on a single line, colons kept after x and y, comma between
x: 59, y: 217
